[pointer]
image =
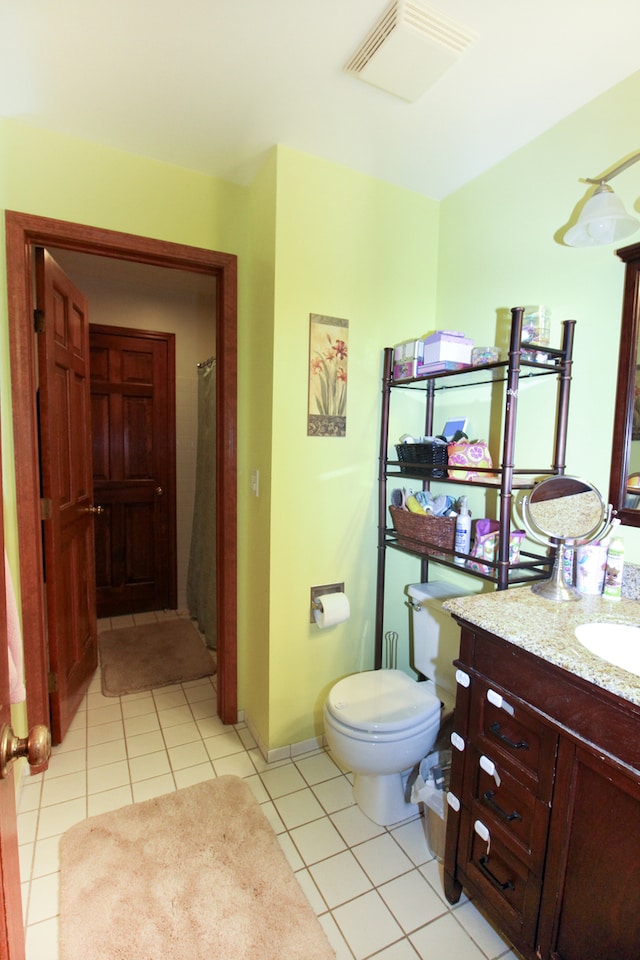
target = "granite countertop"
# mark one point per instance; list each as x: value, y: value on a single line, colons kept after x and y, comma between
x: 546, y: 628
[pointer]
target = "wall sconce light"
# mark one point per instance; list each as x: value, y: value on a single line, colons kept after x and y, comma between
x: 603, y: 218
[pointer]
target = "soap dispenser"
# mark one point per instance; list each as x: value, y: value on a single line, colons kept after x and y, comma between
x: 463, y: 531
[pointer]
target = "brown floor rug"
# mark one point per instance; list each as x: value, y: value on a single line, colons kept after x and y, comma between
x: 153, y: 655
x: 195, y: 874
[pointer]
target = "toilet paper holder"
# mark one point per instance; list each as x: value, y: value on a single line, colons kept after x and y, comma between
x: 318, y: 592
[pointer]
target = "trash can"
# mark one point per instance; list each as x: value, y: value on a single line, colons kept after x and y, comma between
x: 430, y: 789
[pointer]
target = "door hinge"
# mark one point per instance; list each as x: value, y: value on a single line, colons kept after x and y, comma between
x: 38, y: 320
x: 53, y: 682
x: 45, y: 508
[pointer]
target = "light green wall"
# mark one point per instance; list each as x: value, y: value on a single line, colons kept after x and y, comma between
x: 347, y: 246
x: 255, y: 365
x: 497, y: 250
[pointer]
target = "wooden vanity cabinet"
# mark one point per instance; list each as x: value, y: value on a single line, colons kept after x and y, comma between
x: 546, y: 768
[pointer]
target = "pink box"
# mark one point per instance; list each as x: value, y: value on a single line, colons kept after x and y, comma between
x: 447, y: 345
x: 406, y: 370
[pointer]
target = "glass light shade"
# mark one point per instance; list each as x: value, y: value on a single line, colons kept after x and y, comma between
x: 603, y: 220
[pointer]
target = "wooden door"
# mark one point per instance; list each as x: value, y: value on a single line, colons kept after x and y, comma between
x: 65, y: 464
x: 133, y: 429
x: 591, y: 897
x: 11, y: 927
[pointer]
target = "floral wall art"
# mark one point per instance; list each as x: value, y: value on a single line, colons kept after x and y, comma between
x: 328, y: 357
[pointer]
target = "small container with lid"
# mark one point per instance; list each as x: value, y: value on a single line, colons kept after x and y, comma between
x: 536, y: 322
x: 482, y: 355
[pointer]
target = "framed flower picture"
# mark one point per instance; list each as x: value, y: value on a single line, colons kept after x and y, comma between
x: 328, y: 363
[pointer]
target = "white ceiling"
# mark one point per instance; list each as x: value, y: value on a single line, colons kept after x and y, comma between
x: 211, y: 85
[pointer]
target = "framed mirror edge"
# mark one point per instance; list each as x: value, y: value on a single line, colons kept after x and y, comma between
x: 625, y: 391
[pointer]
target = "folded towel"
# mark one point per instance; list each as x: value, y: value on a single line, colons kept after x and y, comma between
x: 17, y: 692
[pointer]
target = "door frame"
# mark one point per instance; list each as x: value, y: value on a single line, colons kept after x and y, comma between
x: 23, y: 233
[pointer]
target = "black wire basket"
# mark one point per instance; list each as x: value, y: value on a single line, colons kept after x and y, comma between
x: 427, y: 459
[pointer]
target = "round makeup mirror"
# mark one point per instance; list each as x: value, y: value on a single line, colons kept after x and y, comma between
x: 561, y: 511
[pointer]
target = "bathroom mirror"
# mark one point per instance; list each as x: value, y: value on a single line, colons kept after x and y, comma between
x: 561, y: 510
x: 624, y: 481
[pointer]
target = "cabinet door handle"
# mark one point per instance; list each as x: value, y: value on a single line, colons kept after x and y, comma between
x: 488, y: 797
x: 521, y: 745
x: 506, y: 885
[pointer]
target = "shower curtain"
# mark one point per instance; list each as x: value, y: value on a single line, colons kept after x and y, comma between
x: 202, y: 597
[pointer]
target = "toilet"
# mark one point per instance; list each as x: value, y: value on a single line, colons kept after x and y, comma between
x: 380, y: 724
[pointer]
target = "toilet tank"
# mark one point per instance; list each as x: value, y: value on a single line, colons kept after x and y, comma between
x: 435, y: 634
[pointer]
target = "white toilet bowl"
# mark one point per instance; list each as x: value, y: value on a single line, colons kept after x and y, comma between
x: 379, y: 724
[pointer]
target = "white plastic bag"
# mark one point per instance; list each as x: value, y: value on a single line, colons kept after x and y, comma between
x: 432, y: 781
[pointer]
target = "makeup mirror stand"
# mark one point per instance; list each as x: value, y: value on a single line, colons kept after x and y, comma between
x: 555, y: 588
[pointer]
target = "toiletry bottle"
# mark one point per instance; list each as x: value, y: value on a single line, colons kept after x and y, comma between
x: 613, y: 574
x: 463, y: 531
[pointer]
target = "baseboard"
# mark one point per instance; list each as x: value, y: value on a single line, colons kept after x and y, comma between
x: 284, y: 753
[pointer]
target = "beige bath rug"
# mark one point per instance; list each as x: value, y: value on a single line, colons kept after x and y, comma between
x: 153, y: 655
x: 193, y: 875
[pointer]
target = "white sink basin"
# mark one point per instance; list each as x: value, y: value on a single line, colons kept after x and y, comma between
x: 617, y: 643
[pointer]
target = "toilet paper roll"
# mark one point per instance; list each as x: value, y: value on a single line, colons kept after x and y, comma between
x: 334, y: 609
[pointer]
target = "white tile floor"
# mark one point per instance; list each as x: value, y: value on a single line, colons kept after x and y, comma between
x: 377, y: 892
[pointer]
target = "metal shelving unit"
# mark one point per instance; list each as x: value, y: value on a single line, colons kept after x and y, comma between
x: 505, y: 478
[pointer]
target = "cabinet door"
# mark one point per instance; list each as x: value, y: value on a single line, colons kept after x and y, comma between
x: 591, y: 896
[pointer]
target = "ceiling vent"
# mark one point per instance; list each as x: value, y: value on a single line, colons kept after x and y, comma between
x: 409, y: 49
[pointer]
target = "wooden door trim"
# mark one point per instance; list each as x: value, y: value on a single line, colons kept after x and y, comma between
x: 23, y: 233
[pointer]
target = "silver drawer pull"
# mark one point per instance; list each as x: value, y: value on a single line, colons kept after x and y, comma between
x: 457, y: 741
x: 463, y: 678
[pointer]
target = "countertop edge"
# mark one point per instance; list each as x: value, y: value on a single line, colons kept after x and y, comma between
x: 545, y: 628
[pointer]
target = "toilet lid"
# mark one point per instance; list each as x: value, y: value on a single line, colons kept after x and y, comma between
x: 383, y: 700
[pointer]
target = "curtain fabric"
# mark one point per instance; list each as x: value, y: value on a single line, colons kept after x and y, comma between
x: 201, y: 578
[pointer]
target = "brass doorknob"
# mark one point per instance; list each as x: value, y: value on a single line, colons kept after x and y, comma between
x: 36, y: 747
x: 96, y: 510
x: 160, y: 491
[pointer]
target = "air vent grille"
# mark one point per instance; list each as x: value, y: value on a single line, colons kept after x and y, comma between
x: 409, y: 49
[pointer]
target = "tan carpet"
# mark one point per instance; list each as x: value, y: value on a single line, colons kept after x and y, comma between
x: 193, y: 875
x: 154, y: 655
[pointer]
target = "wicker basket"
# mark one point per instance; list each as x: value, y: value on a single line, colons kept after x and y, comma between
x: 425, y: 459
x: 424, y: 529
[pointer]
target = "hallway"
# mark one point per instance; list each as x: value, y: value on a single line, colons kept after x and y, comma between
x: 376, y: 891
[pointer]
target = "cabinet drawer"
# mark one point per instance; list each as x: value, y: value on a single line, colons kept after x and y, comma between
x: 514, y: 736
x: 509, y: 808
x: 511, y: 891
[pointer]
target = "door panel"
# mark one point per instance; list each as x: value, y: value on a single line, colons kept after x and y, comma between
x: 133, y: 428
x: 63, y: 371
x: 11, y: 929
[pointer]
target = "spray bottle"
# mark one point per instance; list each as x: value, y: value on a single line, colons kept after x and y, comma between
x: 615, y: 565
x: 463, y: 531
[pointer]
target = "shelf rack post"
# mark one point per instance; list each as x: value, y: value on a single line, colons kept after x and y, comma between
x: 382, y: 504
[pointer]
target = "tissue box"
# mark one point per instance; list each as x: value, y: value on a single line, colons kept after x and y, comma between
x: 408, y: 350
x: 447, y: 345
x: 406, y: 357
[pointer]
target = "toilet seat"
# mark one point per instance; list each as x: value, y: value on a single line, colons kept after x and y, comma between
x: 382, y: 703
